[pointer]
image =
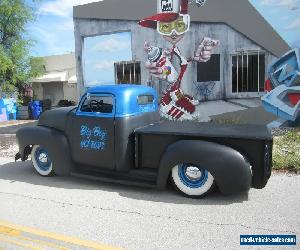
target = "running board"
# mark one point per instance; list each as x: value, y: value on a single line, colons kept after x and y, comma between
x: 133, y: 179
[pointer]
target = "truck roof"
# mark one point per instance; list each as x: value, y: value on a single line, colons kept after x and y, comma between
x: 121, y: 89
x: 128, y: 98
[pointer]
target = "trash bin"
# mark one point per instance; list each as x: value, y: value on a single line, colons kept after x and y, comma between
x: 36, y: 109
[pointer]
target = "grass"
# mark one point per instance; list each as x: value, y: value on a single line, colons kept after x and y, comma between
x: 286, y: 147
x: 286, y: 151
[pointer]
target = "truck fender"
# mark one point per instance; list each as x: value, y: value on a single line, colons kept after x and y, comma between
x: 53, y: 140
x: 229, y: 168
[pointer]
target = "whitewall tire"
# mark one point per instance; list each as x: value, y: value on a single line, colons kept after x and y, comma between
x: 192, y: 180
x: 41, y: 161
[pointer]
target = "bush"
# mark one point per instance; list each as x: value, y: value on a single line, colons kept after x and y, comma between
x: 66, y: 103
x: 286, y: 151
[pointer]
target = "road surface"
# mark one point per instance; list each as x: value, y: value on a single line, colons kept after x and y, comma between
x: 138, y: 218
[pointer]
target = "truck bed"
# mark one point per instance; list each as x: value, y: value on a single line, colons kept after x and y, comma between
x: 255, y: 132
x: 254, y: 142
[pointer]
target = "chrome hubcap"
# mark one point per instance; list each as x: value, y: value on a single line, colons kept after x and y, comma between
x: 43, y: 158
x: 193, y: 173
x: 192, y: 176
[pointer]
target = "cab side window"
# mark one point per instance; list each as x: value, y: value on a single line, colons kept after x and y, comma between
x: 145, y: 99
x: 98, y: 104
x: 146, y: 103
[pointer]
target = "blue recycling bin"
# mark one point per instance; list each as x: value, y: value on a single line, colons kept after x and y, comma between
x: 36, y: 109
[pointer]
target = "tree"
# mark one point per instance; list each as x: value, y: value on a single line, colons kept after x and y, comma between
x: 17, y: 67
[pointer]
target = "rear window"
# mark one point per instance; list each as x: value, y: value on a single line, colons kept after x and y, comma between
x: 145, y: 99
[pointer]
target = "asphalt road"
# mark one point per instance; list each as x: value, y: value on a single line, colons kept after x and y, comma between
x: 137, y: 218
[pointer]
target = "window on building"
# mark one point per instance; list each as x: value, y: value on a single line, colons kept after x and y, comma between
x: 248, y: 72
x: 209, y: 71
x: 128, y: 72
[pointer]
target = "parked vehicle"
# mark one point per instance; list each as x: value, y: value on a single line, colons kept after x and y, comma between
x: 115, y: 134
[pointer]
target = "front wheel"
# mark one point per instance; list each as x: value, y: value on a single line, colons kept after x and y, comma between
x: 191, y: 180
x: 41, y: 161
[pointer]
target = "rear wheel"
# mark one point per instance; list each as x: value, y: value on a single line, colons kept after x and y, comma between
x: 192, y: 180
x: 41, y: 161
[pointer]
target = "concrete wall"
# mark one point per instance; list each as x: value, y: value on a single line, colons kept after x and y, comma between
x: 59, y: 62
x: 70, y: 91
x: 231, y: 41
x: 55, y: 91
x: 38, y: 92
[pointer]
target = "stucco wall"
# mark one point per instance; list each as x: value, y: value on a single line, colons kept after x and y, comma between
x: 230, y: 40
x: 38, y: 91
x: 70, y: 92
x: 55, y: 91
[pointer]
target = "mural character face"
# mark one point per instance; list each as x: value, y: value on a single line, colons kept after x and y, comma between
x: 173, y: 38
x: 174, y: 31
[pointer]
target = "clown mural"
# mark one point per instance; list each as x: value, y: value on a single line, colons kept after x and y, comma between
x: 172, y: 22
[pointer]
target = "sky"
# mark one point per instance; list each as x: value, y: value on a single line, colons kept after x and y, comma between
x: 54, y: 33
x: 100, y: 54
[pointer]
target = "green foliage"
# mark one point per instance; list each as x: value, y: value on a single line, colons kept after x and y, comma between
x: 17, y: 68
x: 286, y: 151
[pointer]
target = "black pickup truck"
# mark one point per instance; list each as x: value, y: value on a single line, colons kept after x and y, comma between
x: 115, y: 134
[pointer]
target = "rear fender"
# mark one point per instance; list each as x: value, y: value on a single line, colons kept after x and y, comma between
x: 53, y: 140
x: 229, y: 168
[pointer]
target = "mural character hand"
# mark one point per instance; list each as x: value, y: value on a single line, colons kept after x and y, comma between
x: 205, y: 49
x: 154, y: 70
x: 164, y: 72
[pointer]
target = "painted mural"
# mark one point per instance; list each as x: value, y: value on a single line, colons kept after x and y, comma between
x: 172, y: 22
x: 283, y: 87
x: 8, y: 109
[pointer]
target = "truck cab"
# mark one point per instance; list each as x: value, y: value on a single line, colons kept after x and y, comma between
x: 101, y: 128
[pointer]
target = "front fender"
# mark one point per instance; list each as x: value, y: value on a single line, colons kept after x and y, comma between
x: 229, y: 168
x: 53, y: 140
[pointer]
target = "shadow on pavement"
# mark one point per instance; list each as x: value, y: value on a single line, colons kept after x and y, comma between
x: 24, y: 172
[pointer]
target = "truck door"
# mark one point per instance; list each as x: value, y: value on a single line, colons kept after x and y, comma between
x: 92, y: 133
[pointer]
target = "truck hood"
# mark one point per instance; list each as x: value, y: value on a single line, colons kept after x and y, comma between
x: 55, y: 118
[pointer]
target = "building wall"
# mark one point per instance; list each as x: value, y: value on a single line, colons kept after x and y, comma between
x: 37, y: 91
x: 59, y: 62
x: 230, y: 42
x: 55, y: 91
x: 70, y: 91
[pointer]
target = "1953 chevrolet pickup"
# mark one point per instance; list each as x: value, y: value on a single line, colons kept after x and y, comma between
x: 115, y: 134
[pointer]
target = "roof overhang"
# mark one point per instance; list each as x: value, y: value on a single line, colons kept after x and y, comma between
x: 53, y: 77
x: 72, y: 79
